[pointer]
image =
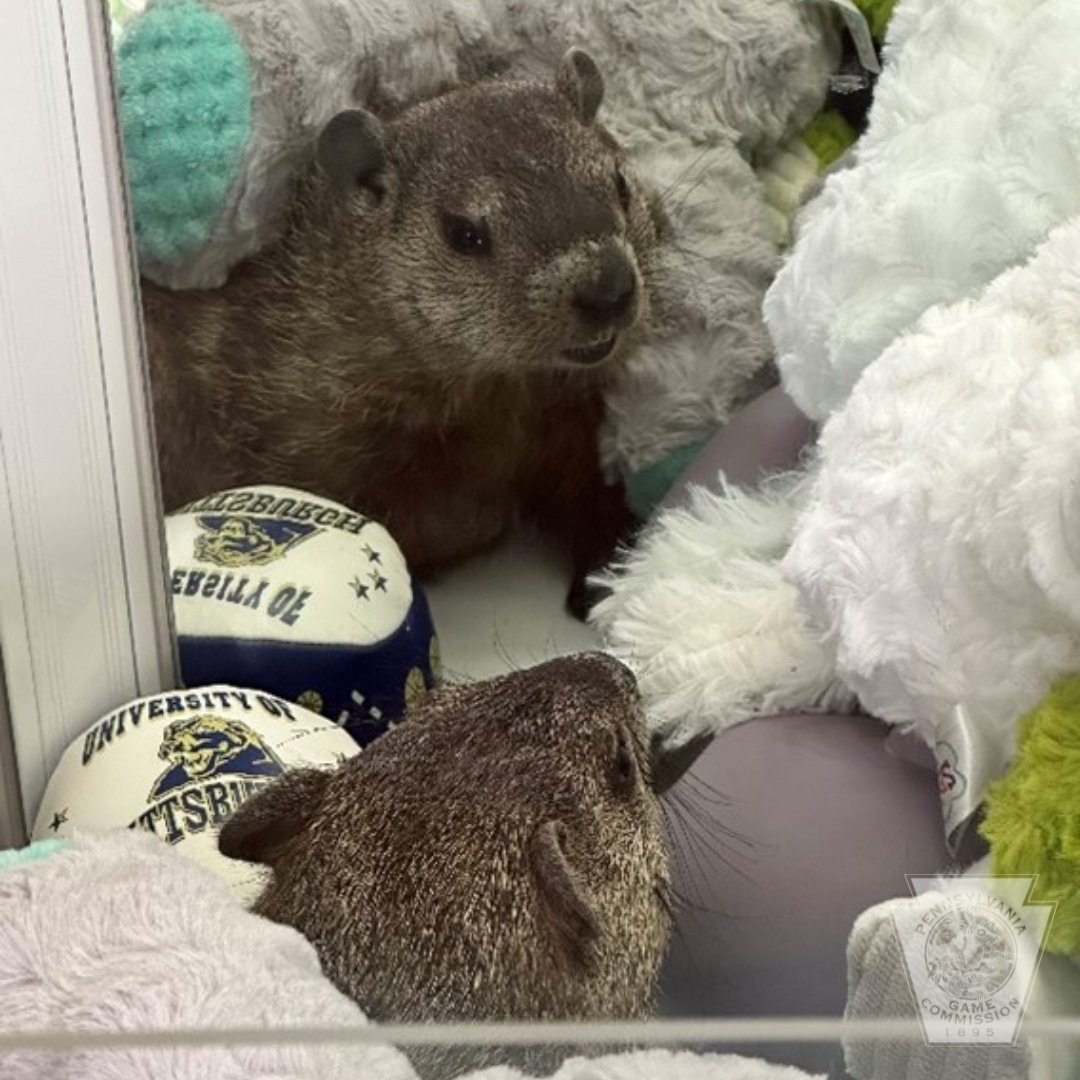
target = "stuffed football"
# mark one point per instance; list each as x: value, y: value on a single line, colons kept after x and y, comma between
x: 301, y: 597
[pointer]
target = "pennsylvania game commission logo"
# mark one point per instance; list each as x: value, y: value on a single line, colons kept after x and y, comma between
x: 971, y: 948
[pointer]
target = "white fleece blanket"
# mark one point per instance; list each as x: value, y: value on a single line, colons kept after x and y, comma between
x: 116, y: 933
x: 930, y: 313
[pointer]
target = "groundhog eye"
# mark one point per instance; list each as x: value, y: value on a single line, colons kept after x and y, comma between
x: 467, y: 237
x: 624, y: 769
x: 622, y: 188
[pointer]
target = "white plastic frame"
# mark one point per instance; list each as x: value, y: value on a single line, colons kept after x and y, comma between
x: 84, y: 618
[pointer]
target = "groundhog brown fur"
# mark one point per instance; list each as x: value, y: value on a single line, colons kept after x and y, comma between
x: 430, y: 340
x: 497, y: 856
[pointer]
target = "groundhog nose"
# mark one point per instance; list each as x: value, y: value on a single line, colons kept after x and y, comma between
x: 591, y: 671
x: 608, y: 298
x: 604, y: 668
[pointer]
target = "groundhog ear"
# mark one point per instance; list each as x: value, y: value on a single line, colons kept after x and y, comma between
x: 351, y: 149
x: 562, y: 896
x: 261, y: 827
x: 579, y: 80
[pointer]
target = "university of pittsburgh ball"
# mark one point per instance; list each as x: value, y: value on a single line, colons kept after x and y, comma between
x: 178, y: 764
x: 302, y: 597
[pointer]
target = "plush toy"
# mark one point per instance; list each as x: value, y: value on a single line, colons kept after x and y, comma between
x: 1032, y: 824
x: 115, y: 933
x: 877, y: 13
x: 1032, y: 821
x: 788, y: 174
x: 300, y: 596
x: 220, y: 102
x: 879, y: 987
x: 927, y: 553
x: 179, y: 763
x: 790, y: 171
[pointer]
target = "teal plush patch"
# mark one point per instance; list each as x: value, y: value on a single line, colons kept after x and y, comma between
x: 40, y: 849
x: 184, y: 92
x: 649, y: 485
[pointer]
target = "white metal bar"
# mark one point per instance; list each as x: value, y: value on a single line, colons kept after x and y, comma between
x: 84, y: 620
x: 693, y: 1032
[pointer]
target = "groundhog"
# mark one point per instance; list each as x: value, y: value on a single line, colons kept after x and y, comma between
x: 430, y: 340
x: 497, y: 856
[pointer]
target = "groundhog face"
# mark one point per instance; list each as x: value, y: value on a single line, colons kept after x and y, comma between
x: 509, y: 229
x: 498, y: 855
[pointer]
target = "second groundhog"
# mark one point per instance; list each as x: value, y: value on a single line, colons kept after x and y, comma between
x: 430, y: 339
x: 499, y: 856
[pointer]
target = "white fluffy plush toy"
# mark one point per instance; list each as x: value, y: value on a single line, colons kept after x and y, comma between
x: 927, y: 315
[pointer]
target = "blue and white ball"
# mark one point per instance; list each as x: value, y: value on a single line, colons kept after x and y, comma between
x: 300, y: 596
x: 178, y: 764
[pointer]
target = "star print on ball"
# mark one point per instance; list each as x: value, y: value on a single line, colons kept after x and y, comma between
x: 305, y: 598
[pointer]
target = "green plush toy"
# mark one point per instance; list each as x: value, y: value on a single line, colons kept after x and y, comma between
x: 788, y: 172
x: 186, y: 119
x: 877, y: 13
x: 1032, y: 819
